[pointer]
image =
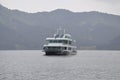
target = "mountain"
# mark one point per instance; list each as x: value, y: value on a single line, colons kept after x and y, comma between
x: 114, y: 44
x: 91, y: 30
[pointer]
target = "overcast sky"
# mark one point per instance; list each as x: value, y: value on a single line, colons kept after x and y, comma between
x: 107, y: 6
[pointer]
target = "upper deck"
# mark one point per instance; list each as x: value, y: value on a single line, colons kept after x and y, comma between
x: 60, y: 37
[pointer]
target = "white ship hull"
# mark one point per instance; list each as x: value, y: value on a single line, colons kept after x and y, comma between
x: 59, y: 52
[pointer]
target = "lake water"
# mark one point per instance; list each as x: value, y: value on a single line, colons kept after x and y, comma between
x: 34, y: 65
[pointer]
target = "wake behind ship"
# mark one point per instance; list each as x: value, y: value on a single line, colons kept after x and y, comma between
x: 59, y: 44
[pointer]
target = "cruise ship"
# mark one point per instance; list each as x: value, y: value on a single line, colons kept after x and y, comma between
x: 60, y: 44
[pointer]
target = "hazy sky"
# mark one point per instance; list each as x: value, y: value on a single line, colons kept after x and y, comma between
x: 108, y: 6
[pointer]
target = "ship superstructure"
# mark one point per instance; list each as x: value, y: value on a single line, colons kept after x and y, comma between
x: 59, y: 44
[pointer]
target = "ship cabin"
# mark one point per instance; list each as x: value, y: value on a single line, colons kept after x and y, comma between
x: 59, y: 42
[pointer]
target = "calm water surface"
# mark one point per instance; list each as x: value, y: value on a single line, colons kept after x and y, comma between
x: 33, y: 65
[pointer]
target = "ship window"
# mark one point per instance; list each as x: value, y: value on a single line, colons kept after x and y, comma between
x: 61, y: 36
x: 53, y: 41
x: 54, y: 48
x: 50, y: 41
x: 70, y: 42
x: 67, y: 36
x: 59, y: 41
x: 64, y: 41
x: 64, y: 48
x: 56, y: 36
x: 69, y: 48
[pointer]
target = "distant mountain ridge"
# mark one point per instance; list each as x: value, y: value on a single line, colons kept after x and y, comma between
x: 21, y: 30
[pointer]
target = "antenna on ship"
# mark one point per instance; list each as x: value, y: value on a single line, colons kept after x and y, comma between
x: 57, y: 33
x: 64, y: 31
x: 59, y: 29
